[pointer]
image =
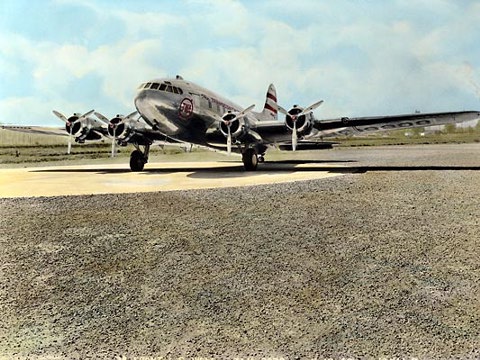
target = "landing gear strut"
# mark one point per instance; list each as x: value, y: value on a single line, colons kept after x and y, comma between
x: 250, y: 159
x: 139, y: 158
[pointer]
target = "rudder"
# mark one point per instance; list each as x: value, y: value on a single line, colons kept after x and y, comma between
x: 270, y: 111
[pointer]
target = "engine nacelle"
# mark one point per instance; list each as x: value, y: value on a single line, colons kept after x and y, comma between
x: 83, y: 128
x: 237, y: 128
x: 127, y: 129
x: 303, y: 122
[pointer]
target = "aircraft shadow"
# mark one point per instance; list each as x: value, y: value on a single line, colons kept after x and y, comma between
x: 286, y: 168
x: 270, y: 167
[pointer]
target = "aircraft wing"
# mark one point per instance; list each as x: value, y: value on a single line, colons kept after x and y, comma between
x: 138, y: 134
x: 360, y: 125
x: 40, y: 130
x: 278, y: 134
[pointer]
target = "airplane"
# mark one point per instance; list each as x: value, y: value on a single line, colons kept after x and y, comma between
x: 174, y: 110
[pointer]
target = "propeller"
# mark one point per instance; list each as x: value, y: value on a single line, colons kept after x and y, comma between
x: 114, y: 126
x: 70, y: 124
x: 294, y: 118
x: 229, y: 122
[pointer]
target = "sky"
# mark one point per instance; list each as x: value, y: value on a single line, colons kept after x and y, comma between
x: 362, y: 57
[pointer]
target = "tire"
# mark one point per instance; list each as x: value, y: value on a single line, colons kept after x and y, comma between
x: 250, y: 160
x: 137, y: 161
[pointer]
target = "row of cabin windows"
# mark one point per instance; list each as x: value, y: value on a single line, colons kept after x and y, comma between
x: 163, y: 87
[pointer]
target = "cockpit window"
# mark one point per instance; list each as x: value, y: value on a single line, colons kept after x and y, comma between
x: 141, y: 86
x: 165, y: 86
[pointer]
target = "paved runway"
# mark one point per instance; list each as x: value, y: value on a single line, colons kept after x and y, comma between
x: 167, y: 176
x: 333, y: 267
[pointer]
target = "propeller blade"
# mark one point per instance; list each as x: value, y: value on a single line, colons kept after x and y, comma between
x: 114, y: 142
x: 102, y: 118
x: 229, y: 141
x: 131, y: 115
x: 60, y: 116
x: 294, y: 136
x: 311, y: 108
x: 87, y: 114
x: 69, y: 148
x: 282, y: 110
x: 244, y: 112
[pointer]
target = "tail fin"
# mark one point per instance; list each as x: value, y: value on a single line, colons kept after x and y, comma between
x: 270, y: 109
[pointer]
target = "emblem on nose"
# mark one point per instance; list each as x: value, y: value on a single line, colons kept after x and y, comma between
x: 186, y: 108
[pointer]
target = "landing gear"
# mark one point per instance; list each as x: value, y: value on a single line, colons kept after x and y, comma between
x: 250, y: 159
x: 139, y: 158
x: 137, y: 161
x: 261, y: 158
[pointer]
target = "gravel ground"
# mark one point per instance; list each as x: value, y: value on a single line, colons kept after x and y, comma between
x: 384, y: 263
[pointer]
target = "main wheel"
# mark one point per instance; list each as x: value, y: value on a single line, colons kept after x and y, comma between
x: 250, y: 159
x: 137, y: 161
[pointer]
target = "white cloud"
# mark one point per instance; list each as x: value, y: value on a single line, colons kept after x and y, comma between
x: 361, y: 65
x: 18, y: 110
x: 149, y: 23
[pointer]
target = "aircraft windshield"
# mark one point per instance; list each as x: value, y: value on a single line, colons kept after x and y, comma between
x: 163, y: 87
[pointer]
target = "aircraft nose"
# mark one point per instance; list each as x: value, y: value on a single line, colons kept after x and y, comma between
x: 143, y: 105
x: 157, y: 111
x: 139, y: 98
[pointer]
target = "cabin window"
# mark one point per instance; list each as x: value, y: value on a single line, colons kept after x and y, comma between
x: 155, y: 86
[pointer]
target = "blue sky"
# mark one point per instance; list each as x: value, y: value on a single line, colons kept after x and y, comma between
x: 363, y: 57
